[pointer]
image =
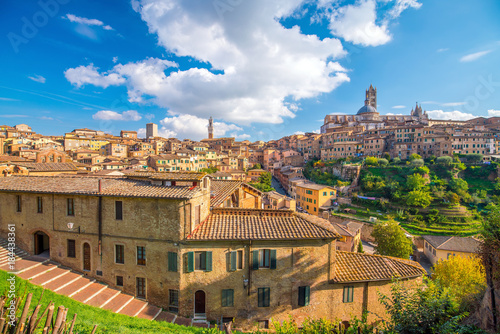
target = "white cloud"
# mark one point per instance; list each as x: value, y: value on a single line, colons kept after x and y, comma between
x: 115, y: 60
x: 357, y: 24
x: 398, y: 107
x: 129, y: 115
x: 454, y: 115
x: 474, y: 56
x: 46, y: 118
x: 243, y: 136
x: 393, y: 114
x: 83, y: 75
x: 402, y: 5
x: 7, y: 99
x: 88, y: 22
x: 141, y: 133
x: 299, y: 133
x: 261, y: 63
x: 493, y: 113
x: 192, y: 127
x: 452, y: 104
x: 37, y: 78
x: 149, y: 116
x: 442, y: 49
x: 316, y: 131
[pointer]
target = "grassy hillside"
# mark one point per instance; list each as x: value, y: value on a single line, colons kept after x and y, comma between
x: 88, y: 316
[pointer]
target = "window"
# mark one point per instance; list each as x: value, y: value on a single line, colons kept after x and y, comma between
x: 173, y: 301
x: 227, y: 298
x: 264, y: 297
x: 70, y: 207
x: 119, y: 254
x: 348, y: 293
x: 172, y: 261
x: 198, y: 261
x: 71, y: 248
x: 234, y: 260
x: 324, y: 193
x: 19, y: 203
x: 304, y: 295
x: 264, y: 258
x: 118, y: 210
x: 141, y: 255
x: 119, y: 280
x: 141, y: 287
x: 39, y: 204
x: 331, y: 193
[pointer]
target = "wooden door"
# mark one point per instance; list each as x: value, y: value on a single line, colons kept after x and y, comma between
x: 197, y: 215
x: 86, y: 257
x: 199, y: 302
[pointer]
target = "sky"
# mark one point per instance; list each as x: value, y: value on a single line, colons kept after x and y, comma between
x: 262, y: 69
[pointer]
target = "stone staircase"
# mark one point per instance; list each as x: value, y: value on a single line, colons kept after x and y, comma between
x: 62, y: 280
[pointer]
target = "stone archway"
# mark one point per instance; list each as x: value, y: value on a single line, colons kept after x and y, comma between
x: 199, y: 302
x: 41, y: 244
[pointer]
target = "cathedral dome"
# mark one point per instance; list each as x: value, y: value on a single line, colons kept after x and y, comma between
x: 366, y: 109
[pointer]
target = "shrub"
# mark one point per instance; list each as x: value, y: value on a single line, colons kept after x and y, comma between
x: 445, y: 160
x: 371, y: 161
x: 417, y: 162
x: 383, y: 162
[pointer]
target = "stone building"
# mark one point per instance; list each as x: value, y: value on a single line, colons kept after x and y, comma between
x: 155, y: 236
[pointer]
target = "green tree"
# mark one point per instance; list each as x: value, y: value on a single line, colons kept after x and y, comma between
x: 387, y: 156
x: 209, y: 170
x: 421, y: 170
x: 445, y: 160
x: 415, y: 182
x: 418, y: 198
x: 396, y: 160
x: 417, y: 162
x: 360, y: 247
x: 459, y: 186
x: 264, y: 182
x: 414, y: 156
x: 371, y: 161
x: 256, y: 166
x: 391, y: 240
x: 383, y: 162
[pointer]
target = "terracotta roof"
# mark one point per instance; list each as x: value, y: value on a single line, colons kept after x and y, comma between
x: 221, y: 189
x: 254, y: 224
x: 342, y: 230
x: 168, y: 176
x: 5, y: 158
x: 456, y: 244
x: 77, y: 185
x: 361, y: 267
x: 48, y: 166
x: 314, y: 186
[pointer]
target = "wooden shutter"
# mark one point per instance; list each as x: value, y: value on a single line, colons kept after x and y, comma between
x: 230, y: 297
x: 261, y: 297
x: 209, y: 261
x: 190, y: 262
x: 233, y: 261
x: 307, y: 296
x: 172, y: 261
x: 304, y: 295
x: 255, y: 257
x: 273, y: 258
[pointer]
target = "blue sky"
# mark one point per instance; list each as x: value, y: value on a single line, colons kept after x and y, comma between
x: 263, y: 69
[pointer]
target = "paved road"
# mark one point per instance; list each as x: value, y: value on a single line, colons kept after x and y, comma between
x: 276, y: 185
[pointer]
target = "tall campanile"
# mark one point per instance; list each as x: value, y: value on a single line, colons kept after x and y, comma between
x: 371, y: 97
x: 211, y: 128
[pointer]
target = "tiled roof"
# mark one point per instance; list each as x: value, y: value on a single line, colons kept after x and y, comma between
x: 168, y: 176
x: 254, y: 224
x: 121, y: 187
x: 456, y: 244
x: 360, y: 267
x: 48, y: 166
x: 314, y: 186
x: 342, y: 230
x: 5, y: 158
x: 221, y: 189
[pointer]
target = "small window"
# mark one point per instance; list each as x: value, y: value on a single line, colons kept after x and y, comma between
x: 19, y: 201
x: 304, y: 295
x: 203, y: 261
x: 235, y: 260
x: 141, y: 287
x: 118, y: 210
x: 119, y: 254
x: 70, y: 207
x: 71, y: 248
x: 172, y: 261
x: 324, y: 193
x: 264, y: 324
x: 39, y: 204
x: 119, y: 280
x: 141, y: 255
x: 348, y: 293
x: 264, y: 258
x: 264, y: 297
x: 173, y: 301
x: 227, y: 298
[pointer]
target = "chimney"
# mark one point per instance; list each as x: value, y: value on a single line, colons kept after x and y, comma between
x: 100, y: 185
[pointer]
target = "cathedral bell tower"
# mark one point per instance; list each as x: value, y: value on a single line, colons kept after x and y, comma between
x: 371, y: 97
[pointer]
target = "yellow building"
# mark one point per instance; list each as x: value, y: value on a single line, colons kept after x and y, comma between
x: 443, y: 247
x: 315, y: 198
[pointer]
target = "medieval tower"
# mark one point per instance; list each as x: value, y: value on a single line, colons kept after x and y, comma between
x: 210, y: 128
x: 371, y: 97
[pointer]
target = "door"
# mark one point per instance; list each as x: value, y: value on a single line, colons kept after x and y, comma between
x: 197, y: 215
x: 86, y: 257
x: 199, y: 302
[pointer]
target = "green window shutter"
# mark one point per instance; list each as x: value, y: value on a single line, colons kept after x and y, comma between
x: 224, y: 298
x: 302, y: 296
x: 172, y: 261
x: 261, y: 297
x: 307, y: 295
x: 230, y: 301
x: 209, y: 261
x: 255, y: 257
x: 273, y: 258
x: 190, y: 262
x: 233, y: 261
